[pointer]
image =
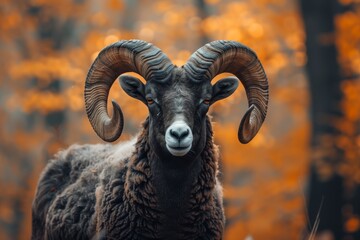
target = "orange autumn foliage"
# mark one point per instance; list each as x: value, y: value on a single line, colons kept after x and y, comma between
x: 47, y: 48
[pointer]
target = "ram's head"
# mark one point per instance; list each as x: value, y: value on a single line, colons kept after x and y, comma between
x: 178, y: 98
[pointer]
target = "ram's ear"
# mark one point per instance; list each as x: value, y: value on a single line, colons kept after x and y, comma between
x: 133, y: 87
x: 224, y: 88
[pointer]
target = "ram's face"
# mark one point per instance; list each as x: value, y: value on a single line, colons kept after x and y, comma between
x: 177, y: 115
x: 177, y: 111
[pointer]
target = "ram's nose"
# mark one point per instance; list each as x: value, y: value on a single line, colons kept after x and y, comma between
x: 180, y: 132
x: 178, y: 138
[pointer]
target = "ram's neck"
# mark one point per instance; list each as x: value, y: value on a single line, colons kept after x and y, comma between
x: 177, y: 191
x: 174, y: 186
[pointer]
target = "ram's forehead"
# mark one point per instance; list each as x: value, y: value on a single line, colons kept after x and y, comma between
x: 180, y: 89
x: 179, y: 85
x: 180, y: 78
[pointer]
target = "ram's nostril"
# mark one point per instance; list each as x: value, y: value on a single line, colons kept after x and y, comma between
x: 175, y: 134
x: 184, y: 134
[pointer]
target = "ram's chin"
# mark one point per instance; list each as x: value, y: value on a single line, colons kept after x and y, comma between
x: 178, y: 152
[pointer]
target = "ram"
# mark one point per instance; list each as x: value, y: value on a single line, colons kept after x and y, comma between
x: 162, y: 184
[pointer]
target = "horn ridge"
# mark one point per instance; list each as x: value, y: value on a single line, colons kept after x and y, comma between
x: 123, y: 56
x: 235, y: 58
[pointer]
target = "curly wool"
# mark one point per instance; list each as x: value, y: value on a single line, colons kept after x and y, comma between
x: 90, y: 192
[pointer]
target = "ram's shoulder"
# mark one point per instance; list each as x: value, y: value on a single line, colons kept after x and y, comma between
x: 77, y: 159
x: 87, y: 154
x: 67, y: 165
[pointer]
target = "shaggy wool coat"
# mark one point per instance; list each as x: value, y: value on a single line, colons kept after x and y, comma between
x: 108, y: 192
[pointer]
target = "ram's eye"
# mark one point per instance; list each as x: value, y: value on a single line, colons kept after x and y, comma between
x: 150, y: 100
x: 206, y: 101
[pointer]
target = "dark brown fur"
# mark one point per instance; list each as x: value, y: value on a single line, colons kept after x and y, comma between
x: 81, y: 195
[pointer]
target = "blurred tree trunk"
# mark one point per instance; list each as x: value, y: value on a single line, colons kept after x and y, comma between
x: 325, y: 184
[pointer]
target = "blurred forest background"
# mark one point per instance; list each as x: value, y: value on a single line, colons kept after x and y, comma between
x: 300, y: 174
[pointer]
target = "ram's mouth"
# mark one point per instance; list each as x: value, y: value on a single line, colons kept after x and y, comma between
x: 178, y: 151
x: 179, y: 148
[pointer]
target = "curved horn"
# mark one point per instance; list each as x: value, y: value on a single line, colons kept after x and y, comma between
x: 229, y: 56
x: 123, y: 56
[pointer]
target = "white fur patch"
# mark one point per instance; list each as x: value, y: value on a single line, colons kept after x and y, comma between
x: 123, y: 150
